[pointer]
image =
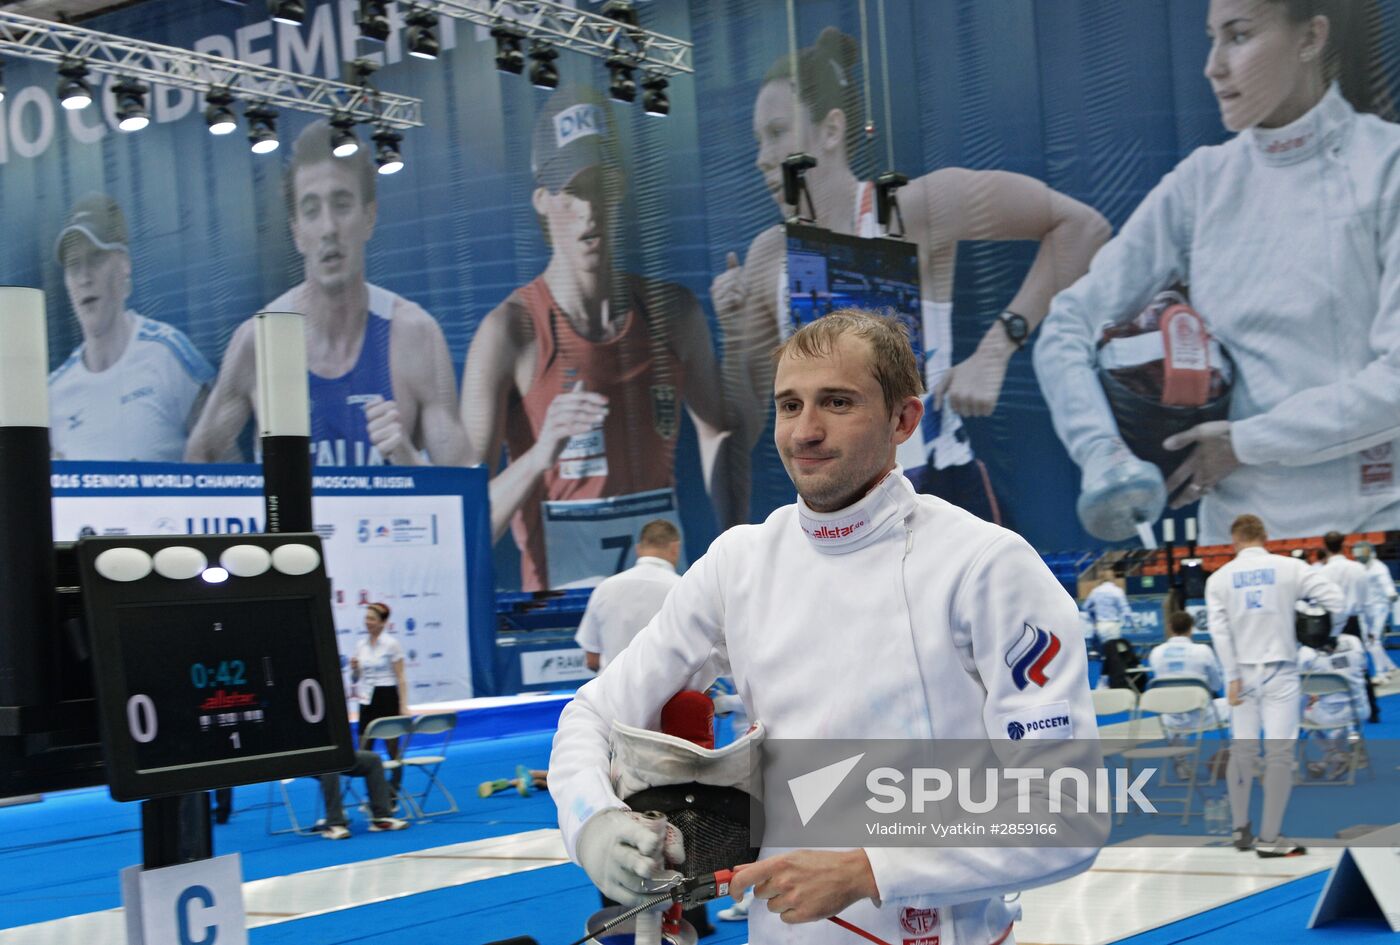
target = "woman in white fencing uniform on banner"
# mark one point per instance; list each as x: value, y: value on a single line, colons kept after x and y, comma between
x: 813, y: 104
x: 1287, y: 237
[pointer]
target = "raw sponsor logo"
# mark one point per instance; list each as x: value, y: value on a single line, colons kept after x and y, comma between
x: 1017, y: 730
x: 1284, y: 145
x: 398, y: 531
x: 922, y: 940
x: 578, y: 121
x: 548, y: 666
x: 917, y: 921
x: 845, y: 531
x: 1048, y: 721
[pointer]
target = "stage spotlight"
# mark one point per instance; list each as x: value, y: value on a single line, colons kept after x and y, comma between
x: 131, y: 105
x: 262, y: 128
x: 373, y: 19
x: 2, y: 81
x: 509, y: 57
x: 621, y: 84
x: 543, y: 74
x: 217, y: 113
x: 620, y: 10
x: 386, y: 154
x: 421, y: 40
x: 344, y: 143
x: 74, y: 92
x: 655, y: 101
x: 291, y: 12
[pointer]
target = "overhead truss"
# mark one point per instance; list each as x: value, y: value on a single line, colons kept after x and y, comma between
x: 48, y: 41
x: 578, y: 30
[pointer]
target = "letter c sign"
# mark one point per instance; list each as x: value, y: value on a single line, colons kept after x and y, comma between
x: 182, y: 916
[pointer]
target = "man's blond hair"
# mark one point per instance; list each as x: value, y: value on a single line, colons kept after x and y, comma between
x: 1248, y: 528
x: 892, y: 358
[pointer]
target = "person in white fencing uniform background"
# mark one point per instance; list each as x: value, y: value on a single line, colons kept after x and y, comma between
x: 1375, y: 609
x: 914, y: 603
x: 1180, y: 658
x: 1342, y: 712
x: 1351, y: 577
x: 1288, y: 236
x: 1347, y: 575
x: 1109, y: 613
x: 622, y: 604
x: 1108, y: 610
x: 1250, y: 605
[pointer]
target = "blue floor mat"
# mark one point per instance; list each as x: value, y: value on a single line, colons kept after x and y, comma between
x: 62, y: 856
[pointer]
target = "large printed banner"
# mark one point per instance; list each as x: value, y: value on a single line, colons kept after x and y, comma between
x: 412, y: 539
x: 582, y: 298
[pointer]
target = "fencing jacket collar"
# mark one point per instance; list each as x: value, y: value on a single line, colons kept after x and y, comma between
x: 1301, y: 139
x: 859, y: 524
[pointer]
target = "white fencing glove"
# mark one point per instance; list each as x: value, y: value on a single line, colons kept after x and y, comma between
x: 621, y: 850
x: 1118, y: 491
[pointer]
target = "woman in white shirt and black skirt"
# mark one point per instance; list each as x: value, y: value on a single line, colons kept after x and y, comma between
x: 378, y: 668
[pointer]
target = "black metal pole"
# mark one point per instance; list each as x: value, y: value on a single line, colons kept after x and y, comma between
x: 27, y: 637
x: 287, y: 483
x: 175, y: 830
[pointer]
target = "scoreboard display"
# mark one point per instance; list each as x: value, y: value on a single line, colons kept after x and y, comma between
x: 215, y: 661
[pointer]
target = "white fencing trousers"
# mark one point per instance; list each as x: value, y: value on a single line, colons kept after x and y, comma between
x: 1272, y: 707
x: 1372, y: 629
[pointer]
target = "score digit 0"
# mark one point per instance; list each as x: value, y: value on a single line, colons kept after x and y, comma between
x: 141, y: 718
x: 312, y: 701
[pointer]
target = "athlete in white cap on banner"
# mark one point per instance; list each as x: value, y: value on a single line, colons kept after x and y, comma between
x: 134, y: 387
x: 940, y: 625
x: 1250, y: 606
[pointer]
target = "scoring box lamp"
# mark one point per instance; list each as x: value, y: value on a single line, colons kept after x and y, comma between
x: 215, y: 661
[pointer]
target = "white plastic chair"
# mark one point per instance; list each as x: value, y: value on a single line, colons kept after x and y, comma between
x: 437, y: 723
x: 1330, y: 684
x: 1174, y: 700
x: 391, y: 727
x: 1114, y: 702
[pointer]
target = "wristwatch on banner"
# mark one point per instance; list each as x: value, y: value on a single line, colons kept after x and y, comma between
x: 1017, y: 328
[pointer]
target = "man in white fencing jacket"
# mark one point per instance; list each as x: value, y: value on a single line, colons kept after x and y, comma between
x: 1250, y: 608
x: 938, y: 625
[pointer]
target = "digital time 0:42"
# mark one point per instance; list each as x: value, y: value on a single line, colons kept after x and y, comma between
x: 227, y: 673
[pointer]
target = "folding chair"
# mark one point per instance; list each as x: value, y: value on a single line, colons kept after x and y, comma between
x: 1113, y: 702
x: 295, y: 824
x: 1330, y: 684
x: 1210, y: 724
x: 388, y: 728
x: 437, y: 723
x: 1172, y: 700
